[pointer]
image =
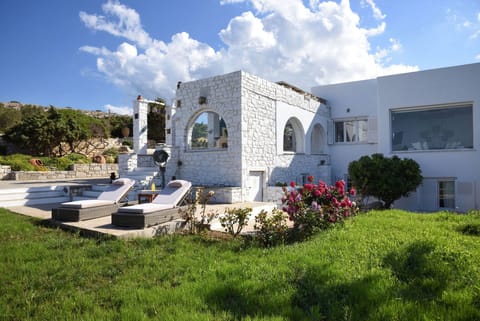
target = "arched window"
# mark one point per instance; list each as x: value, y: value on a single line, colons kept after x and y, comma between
x: 317, y: 139
x: 208, y: 131
x: 293, y: 136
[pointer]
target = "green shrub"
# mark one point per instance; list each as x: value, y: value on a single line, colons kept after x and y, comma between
x: 235, y: 219
x: 110, y: 155
x: 271, y: 229
x: 18, y: 162
x: 387, y: 179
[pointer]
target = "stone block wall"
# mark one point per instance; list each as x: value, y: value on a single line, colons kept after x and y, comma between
x: 212, y: 166
x: 78, y: 171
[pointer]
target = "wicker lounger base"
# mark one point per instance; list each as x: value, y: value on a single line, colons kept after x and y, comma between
x: 136, y: 220
x: 81, y: 214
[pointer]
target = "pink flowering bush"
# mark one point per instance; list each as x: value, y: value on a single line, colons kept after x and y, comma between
x: 313, y: 207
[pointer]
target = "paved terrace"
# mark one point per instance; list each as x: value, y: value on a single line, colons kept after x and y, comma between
x: 102, y: 226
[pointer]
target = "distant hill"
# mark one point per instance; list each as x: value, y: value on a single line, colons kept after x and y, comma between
x: 93, y: 113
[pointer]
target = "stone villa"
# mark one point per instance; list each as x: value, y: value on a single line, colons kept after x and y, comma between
x: 243, y: 135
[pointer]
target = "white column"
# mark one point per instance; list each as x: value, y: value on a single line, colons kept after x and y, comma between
x: 140, y: 131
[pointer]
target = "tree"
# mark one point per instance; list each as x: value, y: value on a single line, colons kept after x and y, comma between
x: 9, y: 117
x: 156, y: 121
x: 387, y: 179
x: 40, y: 131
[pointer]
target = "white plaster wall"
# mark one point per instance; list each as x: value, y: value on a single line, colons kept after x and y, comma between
x: 356, y: 99
x: 435, y: 87
x: 377, y: 97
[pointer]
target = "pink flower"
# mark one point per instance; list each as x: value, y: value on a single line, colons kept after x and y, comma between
x: 352, y: 191
x: 310, y: 178
x: 292, y: 184
x: 308, y: 187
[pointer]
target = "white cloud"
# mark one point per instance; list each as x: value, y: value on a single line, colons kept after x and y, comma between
x: 283, y: 40
x: 377, y: 13
x: 121, y: 110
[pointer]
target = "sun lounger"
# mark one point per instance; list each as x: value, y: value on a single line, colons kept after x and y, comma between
x: 106, y: 203
x: 162, y: 209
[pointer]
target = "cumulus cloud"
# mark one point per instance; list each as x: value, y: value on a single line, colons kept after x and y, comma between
x: 306, y: 45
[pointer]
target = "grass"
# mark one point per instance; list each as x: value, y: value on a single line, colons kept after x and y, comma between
x: 390, y: 265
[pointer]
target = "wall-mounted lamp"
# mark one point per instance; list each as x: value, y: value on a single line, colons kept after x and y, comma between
x: 348, y: 110
x: 202, y: 100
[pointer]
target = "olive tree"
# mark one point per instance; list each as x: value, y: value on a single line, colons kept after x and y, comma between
x: 387, y: 179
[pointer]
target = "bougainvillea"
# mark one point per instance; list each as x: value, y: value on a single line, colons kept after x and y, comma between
x: 313, y: 207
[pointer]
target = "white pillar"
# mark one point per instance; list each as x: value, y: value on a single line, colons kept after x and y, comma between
x: 140, y: 131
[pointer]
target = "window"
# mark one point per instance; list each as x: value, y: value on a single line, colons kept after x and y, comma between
x: 434, y: 128
x: 293, y: 136
x: 446, y: 194
x: 289, y: 141
x: 348, y: 131
x: 208, y: 131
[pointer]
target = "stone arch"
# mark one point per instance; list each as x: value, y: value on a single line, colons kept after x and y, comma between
x: 207, y: 130
x: 293, y: 136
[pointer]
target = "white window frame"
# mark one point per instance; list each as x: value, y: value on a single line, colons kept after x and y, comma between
x: 356, y: 130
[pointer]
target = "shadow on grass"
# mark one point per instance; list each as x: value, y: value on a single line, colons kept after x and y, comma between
x: 470, y: 229
x: 313, y: 296
x: 423, y: 272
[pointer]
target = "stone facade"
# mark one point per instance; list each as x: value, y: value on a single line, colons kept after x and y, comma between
x: 255, y: 112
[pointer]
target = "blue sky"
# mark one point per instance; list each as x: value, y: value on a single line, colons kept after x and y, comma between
x: 101, y: 54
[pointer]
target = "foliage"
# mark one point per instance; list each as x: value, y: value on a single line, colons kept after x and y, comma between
x: 65, y: 162
x: 17, y: 162
x: 21, y: 162
x: 315, y: 207
x: 388, y: 265
x: 156, y: 121
x: 110, y: 154
x: 235, y: 219
x: 199, y: 135
x: 9, y: 117
x: 271, y: 228
x: 115, y: 123
x: 195, y: 224
x: 388, y: 179
x: 40, y: 131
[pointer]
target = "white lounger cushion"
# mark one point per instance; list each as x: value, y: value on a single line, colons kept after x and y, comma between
x: 144, y: 208
x: 87, y: 203
x: 110, y: 196
x: 173, y: 192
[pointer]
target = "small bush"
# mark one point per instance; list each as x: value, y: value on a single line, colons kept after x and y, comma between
x: 314, y: 207
x: 111, y: 155
x: 271, y: 229
x: 235, y: 219
x: 64, y: 163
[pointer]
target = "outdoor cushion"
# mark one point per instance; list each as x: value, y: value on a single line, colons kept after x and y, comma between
x: 144, y: 208
x: 87, y: 203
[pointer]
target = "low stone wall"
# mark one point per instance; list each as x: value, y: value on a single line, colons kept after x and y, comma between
x: 78, y: 171
x: 223, y: 195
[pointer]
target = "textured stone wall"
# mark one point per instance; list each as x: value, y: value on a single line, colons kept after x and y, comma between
x: 5, y: 171
x: 212, y: 166
x: 249, y: 106
x: 78, y: 171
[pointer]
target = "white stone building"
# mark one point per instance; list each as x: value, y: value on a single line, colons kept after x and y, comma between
x: 244, y: 134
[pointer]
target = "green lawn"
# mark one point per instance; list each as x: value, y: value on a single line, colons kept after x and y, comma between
x: 390, y: 265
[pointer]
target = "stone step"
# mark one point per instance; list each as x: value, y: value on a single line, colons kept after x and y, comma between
x: 35, y: 201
